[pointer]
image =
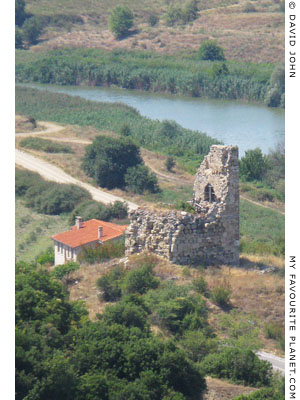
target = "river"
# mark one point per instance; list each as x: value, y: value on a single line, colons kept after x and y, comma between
x: 247, y: 125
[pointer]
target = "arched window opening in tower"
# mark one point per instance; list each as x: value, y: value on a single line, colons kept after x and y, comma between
x: 209, y: 194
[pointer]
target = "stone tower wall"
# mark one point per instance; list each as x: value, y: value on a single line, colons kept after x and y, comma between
x: 211, y: 235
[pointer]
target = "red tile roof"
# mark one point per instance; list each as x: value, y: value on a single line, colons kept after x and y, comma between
x: 89, y: 233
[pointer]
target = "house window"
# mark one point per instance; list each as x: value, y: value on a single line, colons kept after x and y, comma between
x: 209, y: 194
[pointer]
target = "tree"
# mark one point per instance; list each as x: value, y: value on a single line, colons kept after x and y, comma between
x: 173, y: 15
x: 275, y: 94
x: 190, y: 10
x: 32, y: 29
x: 253, y: 165
x: 20, y: 14
x: 139, y: 179
x: 170, y: 163
x: 18, y: 38
x: 140, y: 280
x: 120, y: 21
x: 211, y: 51
x: 107, y: 160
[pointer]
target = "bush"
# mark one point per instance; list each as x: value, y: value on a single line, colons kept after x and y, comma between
x: 139, y: 179
x: 275, y: 331
x: 249, y: 8
x: 211, y: 51
x: 18, y: 38
x: 125, y: 130
x: 93, y: 209
x: 152, y: 19
x: 170, y: 163
x: 275, y: 94
x: 110, y: 284
x: 173, y: 15
x: 62, y: 272
x: 140, y: 280
x: 103, y: 252
x: 47, y: 257
x: 107, y: 160
x: 20, y: 14
x: 190, y: 11
x: 240, y: 366
x: 197, y: 345
x: 253, y: 165
x: 221, y: 294
x: 220, y: 69
x: 201, y: 287
x: 32, y: 29
x: 120, y: 21
x: 24, y: 180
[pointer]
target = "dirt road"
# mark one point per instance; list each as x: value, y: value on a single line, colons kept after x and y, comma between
x: 52, y: 173
x: 52, y: 127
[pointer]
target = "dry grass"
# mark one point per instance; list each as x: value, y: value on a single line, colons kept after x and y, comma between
x: 253, y: 37
x: 23, y: 124
x: 221, y: 390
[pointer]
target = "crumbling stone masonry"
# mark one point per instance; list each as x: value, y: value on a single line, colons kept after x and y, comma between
x: 211, y: 235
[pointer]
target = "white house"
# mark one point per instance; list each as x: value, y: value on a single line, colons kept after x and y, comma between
x: 67, y: 245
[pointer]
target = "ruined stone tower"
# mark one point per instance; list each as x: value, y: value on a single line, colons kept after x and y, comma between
x: 211, y: 235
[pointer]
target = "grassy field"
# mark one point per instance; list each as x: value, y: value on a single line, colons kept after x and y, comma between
x: 249, y: 36
x: 34, y: 231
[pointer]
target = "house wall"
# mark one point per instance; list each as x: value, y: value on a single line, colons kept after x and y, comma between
x: 64, y: 253
x: 209, y: 236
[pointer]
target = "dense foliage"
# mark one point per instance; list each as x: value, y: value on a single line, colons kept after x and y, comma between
x: 145, y: 70
x: 46, y: 145
x: 60, y: 354
x: 140, y: 179
x: 93, y: 209
x: 239, y: 365
x: 108, y: 159
x: 48, y: 197
x: 211, y: 51
x: 32, y: 29
x: 20, y: 14
x: 187, y: 146
x: 107, y: 251
x: 120, y: 21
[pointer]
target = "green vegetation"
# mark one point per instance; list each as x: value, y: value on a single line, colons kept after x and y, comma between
x: 146, y: 70
x: 266, y: 174
x: 48, y: 197
x: 187, y: 146
x: 61, y: 272
x: 93, y: 209
x: 261, y: 229
x: 48, y: 146
x: 120, y: 21
x: 170, y: 163
x: 141, y: 280
x: 20, y: 14
x: 275, y: 330
x: 139, y: 179
x: 175, y: 14
x: 32, y: 29
x: 221, y: 294
x: 60, y: 354
x: 211, y: 51
x: 275, y: 96
x: 107, y: 251
x: 275, y: 392
x: 239, y: 365
x: 110, y: 284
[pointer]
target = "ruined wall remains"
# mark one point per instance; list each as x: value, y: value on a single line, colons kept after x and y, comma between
x: 209, y: 236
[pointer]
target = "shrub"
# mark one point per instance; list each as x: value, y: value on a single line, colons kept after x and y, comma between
x: 120, y: 21
x: 197, y: 345
x: 107, y: 160
x: 47, y: 257
x: 221, y: 294
x: 249, y: 8
x: 172, y: 15
x: 170, y: 163
x: 45, y: 145
x: 190, y: 11
x: 152, y: 19
x: 18, y: 38
x: 253, y: 165
x: 93, y: 209
x: 24, y: 180
x: 275, y: 331
x: 125, y: 130
x: 20, y: 14
x: 201, y: 287
x: 140, y: 280
x: 220, y: 69
x: 275, y: 94
x: 110, y: 284
x: 103, y: 252
x: 211, y: 51
x: 240, y: 366
x: 32, y: 29
x: 185, y: 206
x: 63, y: 271
x: 139, y: 179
